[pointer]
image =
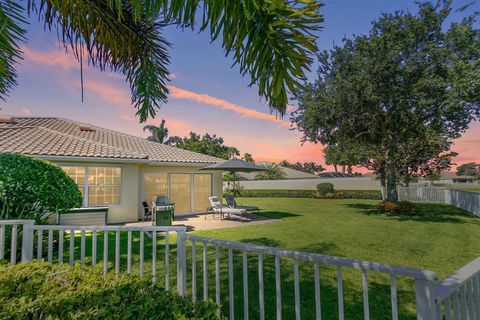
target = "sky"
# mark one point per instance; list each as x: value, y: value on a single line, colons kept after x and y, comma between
x: 206, y: 93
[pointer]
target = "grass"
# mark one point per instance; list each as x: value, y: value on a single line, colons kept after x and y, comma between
x: 442, y: 239
x: 475, y: 188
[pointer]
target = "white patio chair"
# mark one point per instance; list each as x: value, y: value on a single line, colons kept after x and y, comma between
x: 218, y: 207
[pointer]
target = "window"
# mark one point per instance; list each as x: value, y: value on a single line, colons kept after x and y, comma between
x: 98, y: 185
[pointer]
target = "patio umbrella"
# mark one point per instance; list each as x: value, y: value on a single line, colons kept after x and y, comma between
x: 235, y: 165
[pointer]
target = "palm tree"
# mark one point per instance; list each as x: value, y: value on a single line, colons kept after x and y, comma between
x: 274, y: 172
x: 272, y: 41
x: 157, y: 134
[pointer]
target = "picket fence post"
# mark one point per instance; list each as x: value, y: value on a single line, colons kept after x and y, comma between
x: 181, y: 263
x: 425, y: 299
x: 27, y: 241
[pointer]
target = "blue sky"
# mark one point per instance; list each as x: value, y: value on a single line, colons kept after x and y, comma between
x: 207, y: 94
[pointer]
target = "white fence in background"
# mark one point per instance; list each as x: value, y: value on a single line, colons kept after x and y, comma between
x: 467, y: 200
x: 457, y: 297
x: 420, y: 194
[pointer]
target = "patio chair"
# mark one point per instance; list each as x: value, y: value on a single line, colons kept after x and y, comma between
x: 147, y: 211
x: 233, y: 204
x: 218, y: 207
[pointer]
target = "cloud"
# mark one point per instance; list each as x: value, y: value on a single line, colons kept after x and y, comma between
x: 108, y: 92
x: 179, y: 93
x: 26, y: 111
x: 50, y: 58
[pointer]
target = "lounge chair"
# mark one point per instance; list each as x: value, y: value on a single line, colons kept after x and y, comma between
x: 233, y: 204
x: 218, y: 207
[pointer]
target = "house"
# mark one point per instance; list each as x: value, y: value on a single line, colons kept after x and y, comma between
x: 115, y: 169
x: 289, y: 173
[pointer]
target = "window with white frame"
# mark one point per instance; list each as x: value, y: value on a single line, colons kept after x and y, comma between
x: 98, y: 185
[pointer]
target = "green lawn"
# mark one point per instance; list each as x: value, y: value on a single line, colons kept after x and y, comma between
x: 475, y: 188
x: 442, y: 240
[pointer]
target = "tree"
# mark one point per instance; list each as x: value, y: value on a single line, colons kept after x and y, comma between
x: 468, y: 169
x: 34, y: 189
x: 409, y: 78
x: 248, y: 157
x: 207, y: 144
x: 308, y: 167
x: 274, y: 172
x: 157, y: 134
x: 270, y: 40
x: 346, y: 155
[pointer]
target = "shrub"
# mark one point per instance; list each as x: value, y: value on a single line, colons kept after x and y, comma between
x: 39, y: 290
x: 401, y: 208
x: 324, y: 188
x: 273, y: 193
x: 359, y: 194
x: 31, y: 188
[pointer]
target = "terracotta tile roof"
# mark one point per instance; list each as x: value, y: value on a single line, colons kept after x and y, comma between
x: 67, y: 138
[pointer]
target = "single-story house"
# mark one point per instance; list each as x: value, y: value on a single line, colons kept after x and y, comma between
x: 115, y: 169
x: 289, y: 173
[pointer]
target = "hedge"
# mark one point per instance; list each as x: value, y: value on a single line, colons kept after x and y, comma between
x: 273, y: 193
x: 40, y: 290
x: 339, y: 194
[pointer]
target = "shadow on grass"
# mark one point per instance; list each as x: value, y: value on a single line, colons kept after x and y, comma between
x: 277, y: 214
x: 429, y: 212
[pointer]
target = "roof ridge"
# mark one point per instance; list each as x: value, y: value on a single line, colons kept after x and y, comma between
x: 136, y: 154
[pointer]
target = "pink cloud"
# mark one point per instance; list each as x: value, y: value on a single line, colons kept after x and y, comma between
x: 179, y: 93
x: 107, y: 92
x: 50, y: 58
x: 26, y: 111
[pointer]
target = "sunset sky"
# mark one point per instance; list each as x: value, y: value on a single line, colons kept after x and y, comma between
x: 207, y: 95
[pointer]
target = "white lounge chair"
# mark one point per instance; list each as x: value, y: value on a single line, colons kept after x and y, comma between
x: 218, y: 207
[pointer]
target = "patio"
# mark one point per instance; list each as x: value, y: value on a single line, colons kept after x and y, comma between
x: 207, y: 221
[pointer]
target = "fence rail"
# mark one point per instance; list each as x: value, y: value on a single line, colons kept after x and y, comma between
x: 457, y: 297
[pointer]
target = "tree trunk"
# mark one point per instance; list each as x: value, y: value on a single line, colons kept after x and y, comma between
x: 391, y: 176
x: 335, y: 166
x: 349, y: 169
x: 343, y: 168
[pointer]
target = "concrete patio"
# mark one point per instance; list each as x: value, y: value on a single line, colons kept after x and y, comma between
x: 203, y: 221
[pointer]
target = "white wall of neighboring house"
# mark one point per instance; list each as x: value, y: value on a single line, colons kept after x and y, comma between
x: 310, y: 184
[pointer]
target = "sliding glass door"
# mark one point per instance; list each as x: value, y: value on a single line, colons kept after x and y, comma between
x: 202, y: 189
x: 154, y: 184
x: 189, y: 191
x: 180, y: 192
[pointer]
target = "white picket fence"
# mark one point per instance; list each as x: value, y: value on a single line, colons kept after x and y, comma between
x: 419, y: 194
x: 457, y: 297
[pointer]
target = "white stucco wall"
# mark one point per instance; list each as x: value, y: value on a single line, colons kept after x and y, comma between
x: 310, y: 184
x: 130, y: 207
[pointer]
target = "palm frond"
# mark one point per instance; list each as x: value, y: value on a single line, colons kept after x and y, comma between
x: 272, y: 41
x: 11, y: 34
x: 114, y: 37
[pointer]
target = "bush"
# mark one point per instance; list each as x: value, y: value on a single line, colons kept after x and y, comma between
x: 31, y: 188
x: 39, y: 290
x: 340, y: 194
x: 359, y: 194
x: 401, y: 208
x: 324, y: 188
x: 273, y: 193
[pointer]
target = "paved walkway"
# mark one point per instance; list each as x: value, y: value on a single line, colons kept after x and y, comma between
x: 201, y: 222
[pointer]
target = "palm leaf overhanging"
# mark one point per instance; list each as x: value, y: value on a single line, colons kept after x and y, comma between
x: 270, y: 40
x: 11, y: 34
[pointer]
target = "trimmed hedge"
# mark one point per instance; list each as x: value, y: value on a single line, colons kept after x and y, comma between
x: 339, y: 194
x: 40, y: 290
x: 360, y: 194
